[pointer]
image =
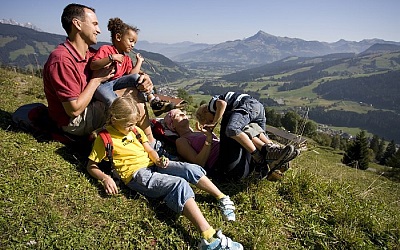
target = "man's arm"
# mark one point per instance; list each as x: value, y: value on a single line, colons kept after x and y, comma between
x: 76, y: 107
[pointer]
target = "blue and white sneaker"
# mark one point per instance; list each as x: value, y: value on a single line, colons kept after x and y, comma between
x: 221, y: 242
x: 227, y: 207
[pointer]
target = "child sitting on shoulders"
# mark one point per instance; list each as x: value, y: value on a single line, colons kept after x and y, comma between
x: 124, y: 38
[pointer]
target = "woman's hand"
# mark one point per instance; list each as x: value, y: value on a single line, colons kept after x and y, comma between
x: 206, y: 128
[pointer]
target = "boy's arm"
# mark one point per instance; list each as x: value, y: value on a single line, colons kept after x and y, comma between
x: 109, y: 184
x: 220, y: 110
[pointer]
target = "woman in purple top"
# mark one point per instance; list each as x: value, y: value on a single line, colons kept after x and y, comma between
x: 205, y: 149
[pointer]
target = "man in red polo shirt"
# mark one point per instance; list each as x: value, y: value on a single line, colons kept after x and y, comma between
x: 68, y: 83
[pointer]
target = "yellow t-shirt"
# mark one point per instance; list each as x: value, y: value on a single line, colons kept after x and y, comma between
x: 128, y: 156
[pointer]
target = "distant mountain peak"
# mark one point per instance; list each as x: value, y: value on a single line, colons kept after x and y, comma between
x: 13, y: 22
x: 262, y: 34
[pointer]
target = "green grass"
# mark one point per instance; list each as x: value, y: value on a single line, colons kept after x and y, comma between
x: 48, y: 201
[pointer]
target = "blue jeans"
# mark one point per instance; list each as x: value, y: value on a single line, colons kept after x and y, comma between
x: 234, y: 162
x: 105, y: 91
x: 170, y: 184
x: 249, y: 111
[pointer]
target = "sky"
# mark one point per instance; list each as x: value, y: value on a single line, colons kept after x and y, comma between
x: 217, y: 21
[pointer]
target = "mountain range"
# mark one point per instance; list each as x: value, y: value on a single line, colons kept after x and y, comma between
x: 18, y: 42
x: 264, y: 48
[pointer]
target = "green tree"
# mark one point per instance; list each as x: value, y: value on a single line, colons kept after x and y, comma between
x: 390, y: 150
x: 394, y: 160
x: 290, y: 121
x: 183, y: 94
x: 374, y: 144
x: 358, y: 154
x: 335, y: 143
x: 381, y: 150
x: 322, y: 139
x: 273, y: 118
x: 310, y: 128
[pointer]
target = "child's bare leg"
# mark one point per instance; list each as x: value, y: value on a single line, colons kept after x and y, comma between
x: 264, y: 138
x: 261, y: 140
x: 245, y: 141
x: 193, y: 213
x: 208, y: 186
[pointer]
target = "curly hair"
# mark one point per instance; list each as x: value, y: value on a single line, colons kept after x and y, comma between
x: 116, y: 25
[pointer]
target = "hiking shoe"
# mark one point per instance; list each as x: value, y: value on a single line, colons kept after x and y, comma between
x: 295, y: 153
x: 227, y: 207
x: 221, y: 242
x: 159, y: 107
x: 278, y: 173
x: 277, y: 156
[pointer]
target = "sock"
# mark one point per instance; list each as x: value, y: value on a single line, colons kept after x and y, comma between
x: 208, y: 235
x: 264, y: 149
x: 257, y: 156
x: 152, y: 99
x: 220, y: 196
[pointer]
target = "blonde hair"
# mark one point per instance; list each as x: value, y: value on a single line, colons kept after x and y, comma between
x: 201, y: 113
x: 123, y: 109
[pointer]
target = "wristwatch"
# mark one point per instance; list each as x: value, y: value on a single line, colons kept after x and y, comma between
x: 110, y: 57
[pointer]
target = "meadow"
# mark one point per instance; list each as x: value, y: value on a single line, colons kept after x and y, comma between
x: 48, y: 201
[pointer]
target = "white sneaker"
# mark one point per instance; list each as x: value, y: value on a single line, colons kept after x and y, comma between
x: 221, y: 242
x: 227, y: 207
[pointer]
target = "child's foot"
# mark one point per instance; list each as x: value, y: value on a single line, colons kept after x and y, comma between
x: 220, y: 242
x: 227, y: 207
x: 277, y: 174
x: 259, y: 161
x: 278, y: 156
x: 159, y: 107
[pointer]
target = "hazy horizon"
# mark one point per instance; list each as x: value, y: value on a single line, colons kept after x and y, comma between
x: 215, y: 22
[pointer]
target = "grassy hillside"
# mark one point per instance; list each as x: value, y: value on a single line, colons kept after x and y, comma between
x: 48, y: 201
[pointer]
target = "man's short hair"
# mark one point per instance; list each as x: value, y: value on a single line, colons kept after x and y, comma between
x: 72, y: 11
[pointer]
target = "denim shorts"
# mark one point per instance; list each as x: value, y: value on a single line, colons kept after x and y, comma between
x: 249, y: 111
x: 170, y: 184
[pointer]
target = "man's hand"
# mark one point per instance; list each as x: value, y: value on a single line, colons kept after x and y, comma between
x: 145, y: 84
x: 118, y: 58
x: 104, y: 74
